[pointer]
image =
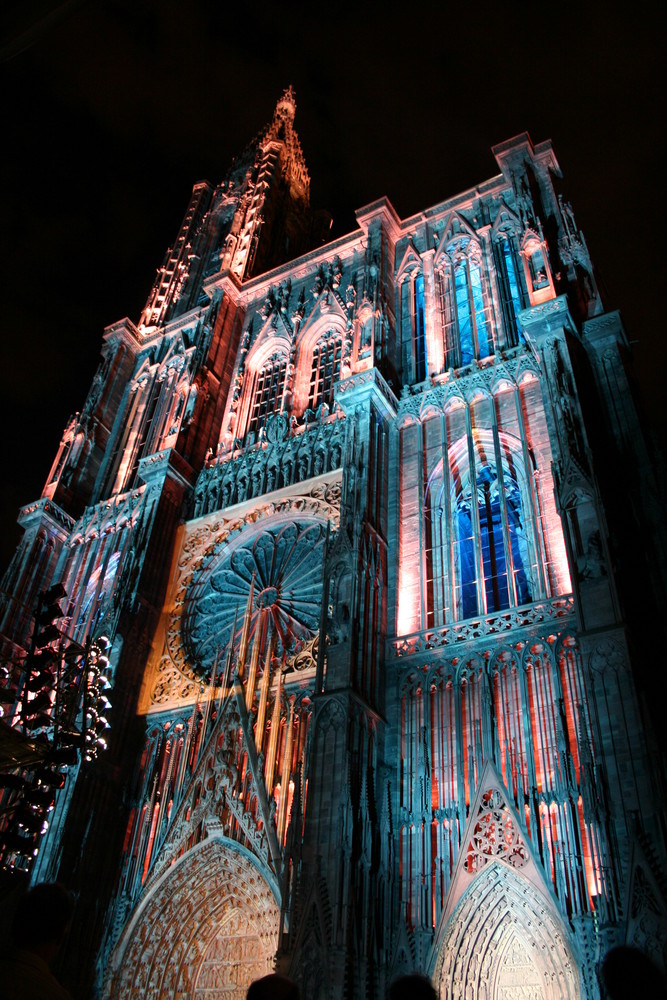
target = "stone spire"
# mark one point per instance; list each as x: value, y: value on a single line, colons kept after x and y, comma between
x: 273, y: 216
x: 281, y: 129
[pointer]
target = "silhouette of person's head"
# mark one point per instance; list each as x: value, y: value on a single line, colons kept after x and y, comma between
x: 412, y: 987
x: 629, y: 974
x: 42, y: 918
x: 273, y: 987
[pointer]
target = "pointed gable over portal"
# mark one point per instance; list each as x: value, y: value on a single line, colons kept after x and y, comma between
x: 501, y: 934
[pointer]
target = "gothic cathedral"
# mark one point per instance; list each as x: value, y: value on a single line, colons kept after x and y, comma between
x: 349, y: 515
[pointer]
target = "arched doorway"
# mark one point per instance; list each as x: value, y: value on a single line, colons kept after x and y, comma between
x: 504, y: 941
x: 205, y: 931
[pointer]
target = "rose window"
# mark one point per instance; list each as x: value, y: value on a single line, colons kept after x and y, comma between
x: 282, y: 566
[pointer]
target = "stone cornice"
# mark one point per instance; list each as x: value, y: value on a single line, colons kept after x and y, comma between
x: 163, y: 464
x: 45, y: 509
x: 361, y: 386
x: 124, y: 330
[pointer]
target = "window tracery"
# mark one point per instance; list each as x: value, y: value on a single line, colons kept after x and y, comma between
x: 463, y: 294
x: 155, y: 411
x: 413, y: 324
x: 325, y: 370
x: 512, y: 292
x: 477, y: 544
x: 267, y: 392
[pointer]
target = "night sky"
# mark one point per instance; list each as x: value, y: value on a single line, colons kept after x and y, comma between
x: 112, y: 110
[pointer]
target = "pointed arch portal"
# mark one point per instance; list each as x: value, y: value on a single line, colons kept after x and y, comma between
x: 204, y: 932
x: 504, y: 943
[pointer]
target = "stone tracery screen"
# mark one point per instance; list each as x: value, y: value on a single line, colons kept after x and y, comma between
x: 514, y: 707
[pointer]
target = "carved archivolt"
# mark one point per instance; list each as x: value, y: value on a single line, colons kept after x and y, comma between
x: 207, y: 929
x: 503, y: 941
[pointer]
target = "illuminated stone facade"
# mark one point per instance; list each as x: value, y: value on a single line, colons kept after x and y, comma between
x: 339, y: 512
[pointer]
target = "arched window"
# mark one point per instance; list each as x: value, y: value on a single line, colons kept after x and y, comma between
x: 413, y: 326
x: 511, y: 292
x: 461, y: 286
x: 154, y: 400
x: 99, y: 586
x: 478, y: 538
x: 268, y: 388
x: 473, y: 336
x: 325, y: 370
x: 419, y: 329
x: 146, y: 433
x: 122, y: 457
x: 489, y: 549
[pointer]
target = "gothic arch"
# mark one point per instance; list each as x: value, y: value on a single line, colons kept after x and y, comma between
x: 502, y: 938
x: 269, y: 341
x: 264, y: 385
x: 327, y: 328
x: 456, y: 228
x: 314, y: 965
x: 316, y: 327
x: 507, y: 222
x: 481, y: 494
x: 205, y: 931
x: 410, y: 263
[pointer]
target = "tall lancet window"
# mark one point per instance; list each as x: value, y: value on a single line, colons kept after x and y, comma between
x: 413, y: 325
x: 462, y: 296
x: 419, y: 329
x: 479, y: 545
x: 267, y: 392
x: 511, y: 292
x: 472, y: 325
x: 501, y: 547
x: 325, y: 371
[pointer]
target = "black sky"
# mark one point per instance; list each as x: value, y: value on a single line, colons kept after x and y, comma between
x: 113, y: 109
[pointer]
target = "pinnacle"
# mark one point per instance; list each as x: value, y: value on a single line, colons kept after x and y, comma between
x: 286, y: 106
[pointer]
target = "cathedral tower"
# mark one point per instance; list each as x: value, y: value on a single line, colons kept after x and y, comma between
x: 339, y: 512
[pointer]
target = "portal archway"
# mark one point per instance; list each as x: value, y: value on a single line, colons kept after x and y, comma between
x: 504, y: 941
x: 205, y: 931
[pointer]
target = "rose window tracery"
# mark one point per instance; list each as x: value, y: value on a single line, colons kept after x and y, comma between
x: 281, y: 567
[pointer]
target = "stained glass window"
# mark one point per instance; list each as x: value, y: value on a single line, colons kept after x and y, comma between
x: 511, y: 287
x: 420, y: 329
x: 481, y: 557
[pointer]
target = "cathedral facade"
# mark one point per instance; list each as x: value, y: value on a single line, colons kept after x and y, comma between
x: 337, y: 508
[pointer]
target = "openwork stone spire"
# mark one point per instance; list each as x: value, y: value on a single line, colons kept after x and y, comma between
x: 282, y: 130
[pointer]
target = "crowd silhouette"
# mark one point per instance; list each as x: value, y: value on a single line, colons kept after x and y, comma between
x: 44, y: 913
